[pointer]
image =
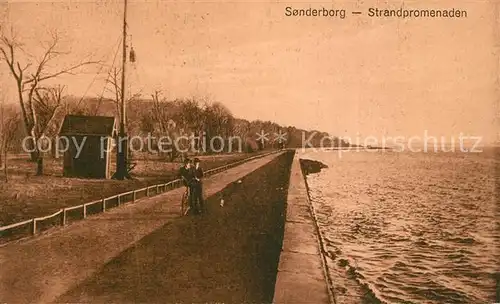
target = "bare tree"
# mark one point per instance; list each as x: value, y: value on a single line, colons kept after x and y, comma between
x: 218, y: 122
x: 114, y: 88
x: 114, y: 81
x: 29, y: 77
x: 190, y: 119
x: 242, y: 130
x: 74, y: 107
x: 163, y: 123
x: 9, y: 123
x: 47, y: 103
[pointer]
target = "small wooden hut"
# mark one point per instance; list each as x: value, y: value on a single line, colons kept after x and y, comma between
x: 89, y: 140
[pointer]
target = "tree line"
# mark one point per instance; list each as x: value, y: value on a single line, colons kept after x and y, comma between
x: 41, y: 108
x: 159, y: 117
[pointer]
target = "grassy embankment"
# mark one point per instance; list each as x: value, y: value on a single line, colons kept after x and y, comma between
x: 26, y: 196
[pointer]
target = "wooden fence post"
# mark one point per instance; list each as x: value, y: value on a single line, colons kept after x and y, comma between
x: 157, y: 189
x: 34, y: 227
x: 63, y: 217
x: 133, y: 196
x: 84, y: 210
x: 147, y: 191
x: 103, y: 205
x: 119, y: 199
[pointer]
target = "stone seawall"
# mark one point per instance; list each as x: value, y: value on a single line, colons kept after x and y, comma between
x: 302, y: 275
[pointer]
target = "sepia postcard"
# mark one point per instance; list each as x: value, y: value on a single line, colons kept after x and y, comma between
x: 336, y: 152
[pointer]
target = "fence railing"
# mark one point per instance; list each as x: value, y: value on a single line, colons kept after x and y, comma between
x: 64, y: 216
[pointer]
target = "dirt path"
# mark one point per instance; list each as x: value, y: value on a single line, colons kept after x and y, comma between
x: 228, y: 255
x: 43, y: 268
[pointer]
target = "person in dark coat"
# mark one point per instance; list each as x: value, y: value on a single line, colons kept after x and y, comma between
x: 186, y: 174
x: 197, y: 186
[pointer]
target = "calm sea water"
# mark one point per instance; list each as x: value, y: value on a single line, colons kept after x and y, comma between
x: 409, y: 227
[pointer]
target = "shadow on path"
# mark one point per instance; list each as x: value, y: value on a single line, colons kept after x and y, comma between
x: 230, y: 254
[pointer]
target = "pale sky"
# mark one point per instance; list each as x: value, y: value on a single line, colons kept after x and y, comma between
x: 357, y: 75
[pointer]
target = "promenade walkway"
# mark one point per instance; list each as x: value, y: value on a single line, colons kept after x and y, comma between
x: 42, y: 269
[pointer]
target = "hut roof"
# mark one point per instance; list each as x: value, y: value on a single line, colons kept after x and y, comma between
x: 88, y: 125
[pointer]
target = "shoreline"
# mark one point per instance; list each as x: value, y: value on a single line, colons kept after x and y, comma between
x: 351, y: 285
x: 302, y: 273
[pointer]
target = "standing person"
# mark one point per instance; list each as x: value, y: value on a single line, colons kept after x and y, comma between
x: 186, y: 174
x: 197, y: 187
